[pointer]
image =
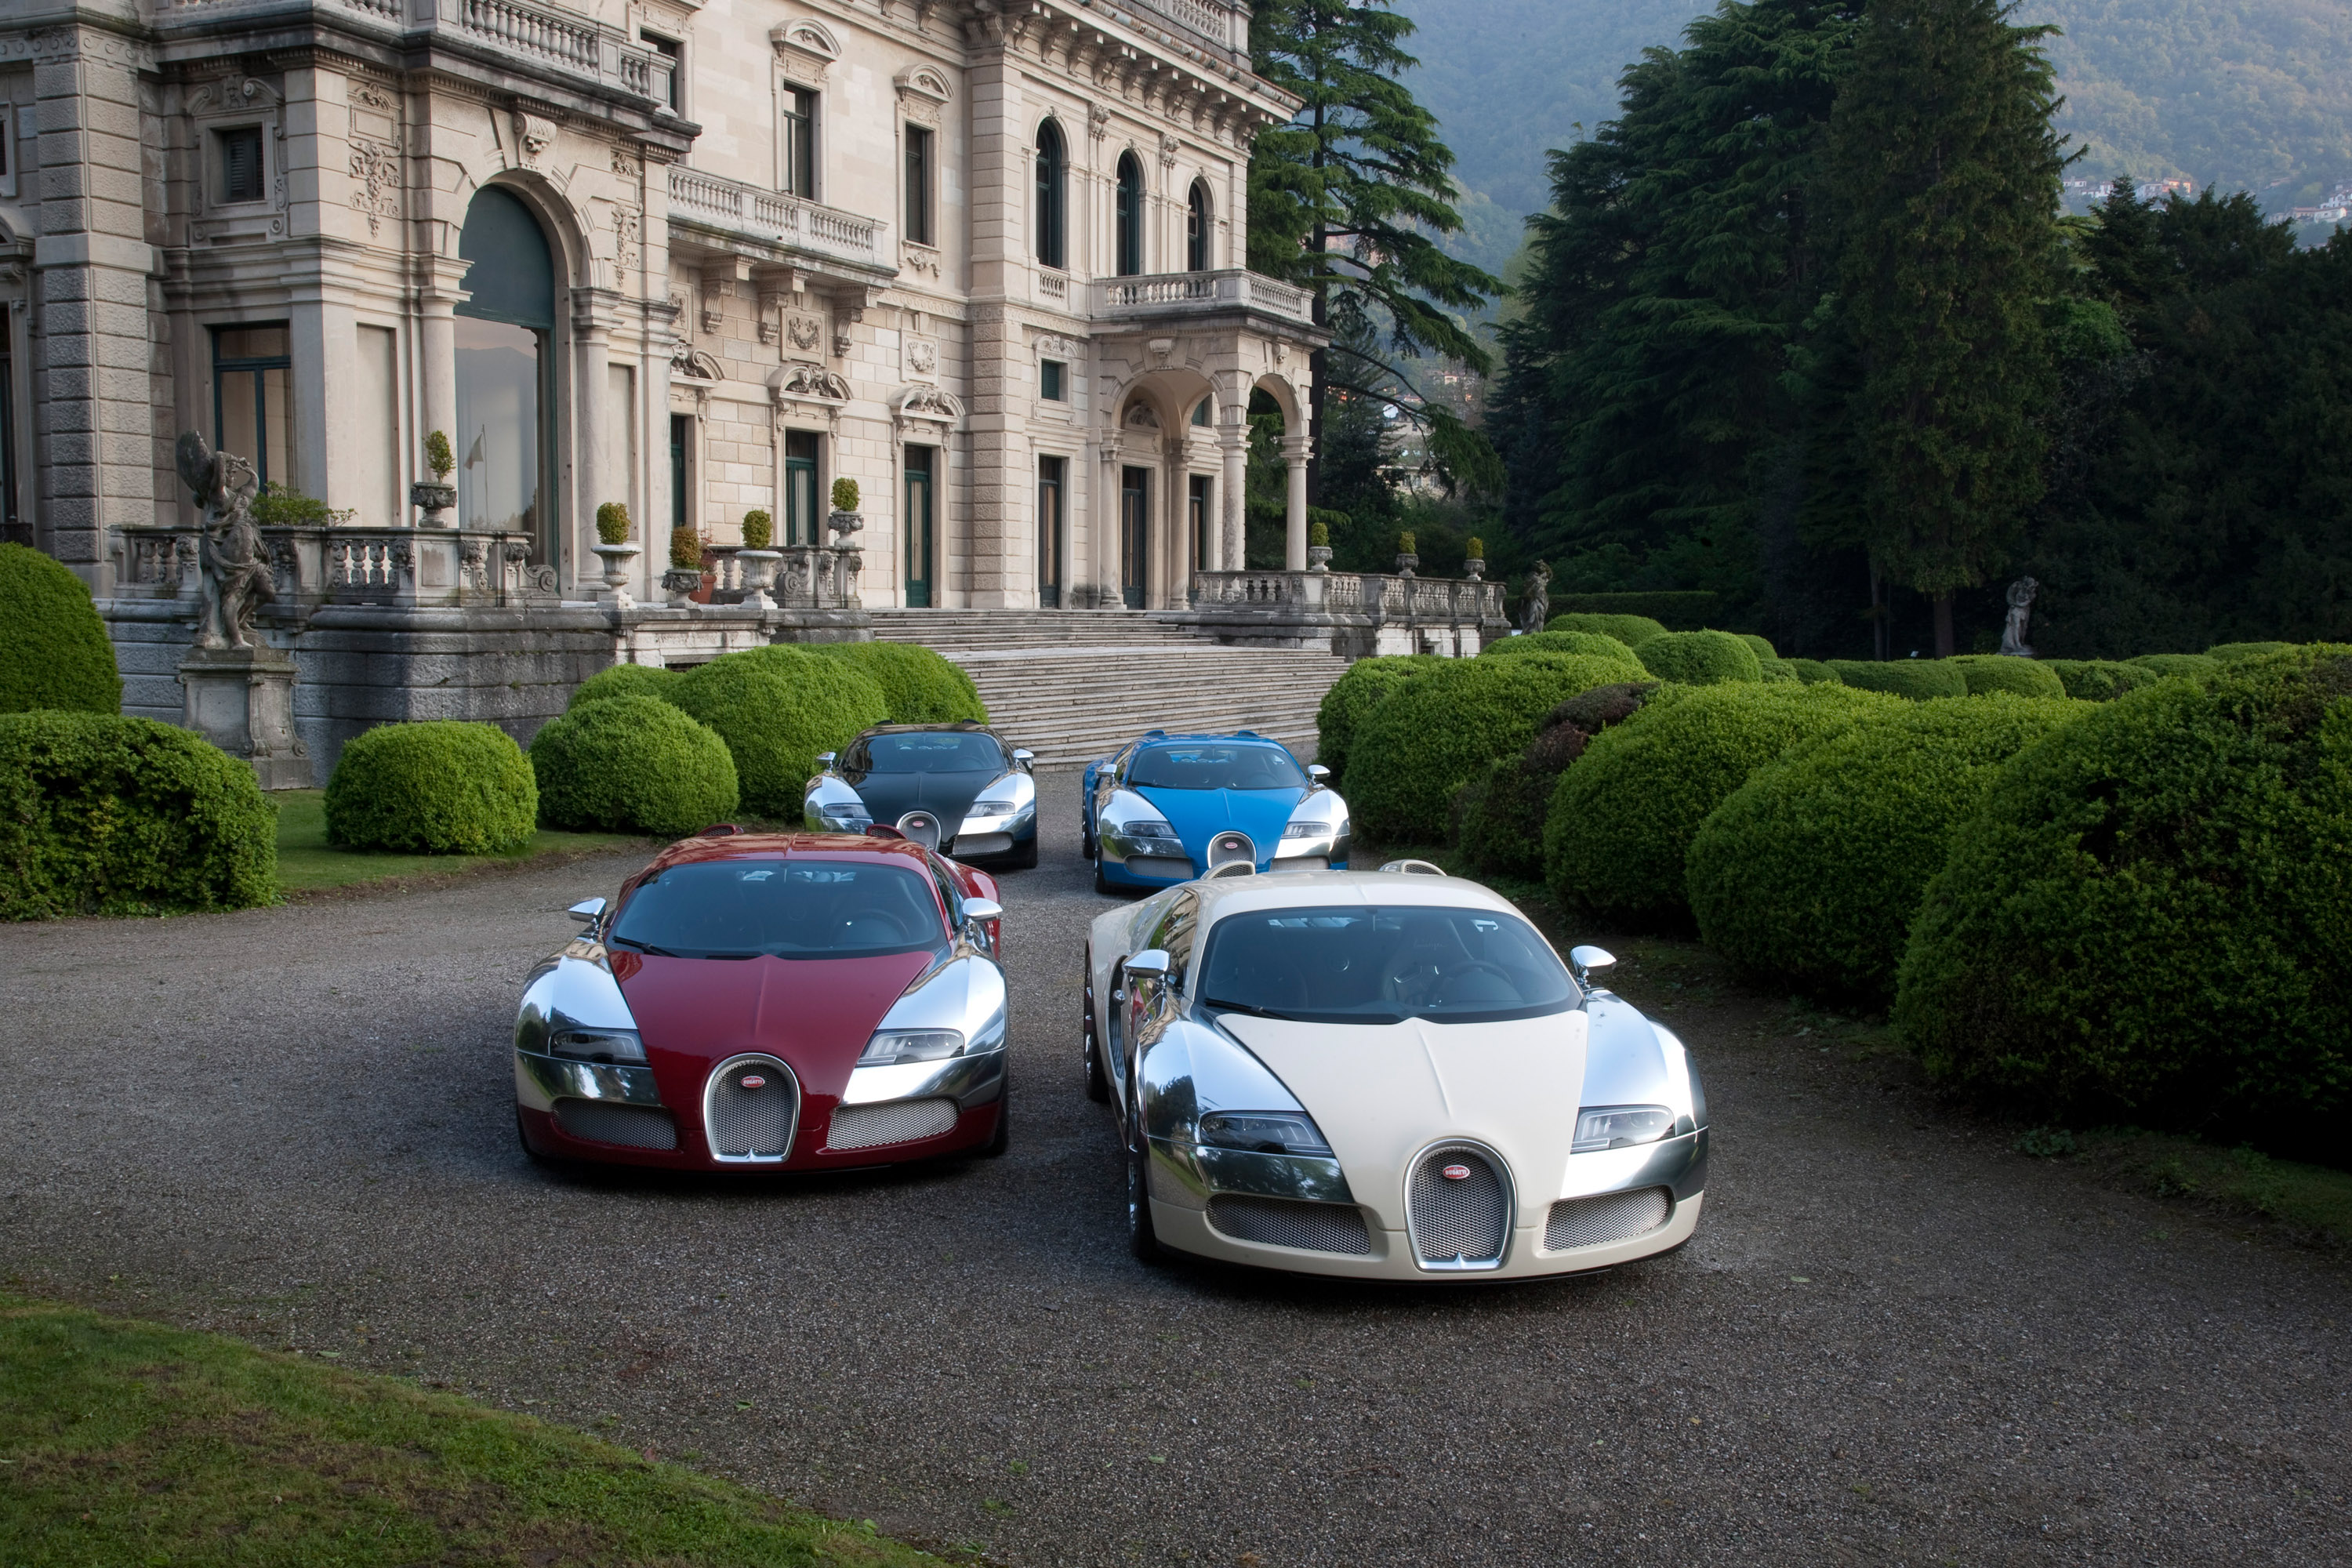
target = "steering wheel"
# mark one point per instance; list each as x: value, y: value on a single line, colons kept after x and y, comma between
x: 1445, y: 981
x: 896, y: 927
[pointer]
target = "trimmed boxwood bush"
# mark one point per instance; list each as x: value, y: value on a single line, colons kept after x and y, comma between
x: 632, y: 764
x: 1700, y: 659
x: 102, y: 815
x: 1763, y: 645
x: 1631, y: 630
x: 920, y: 686
x: 1917, y: 679
x: 2196, y: 666
x: 1809, y: 872
x: 2099, y: 680
x: 1357, y: 693
x: 1499, y: 818
x: 777, y: 707
x: 1813, y: 672
x: 626, y: 680
x: 1778, y: 672
x: 1987, y: 672
x: 1676, y: 609
x: 1622, y: 820
x: 1414, y: 750
x: 2232, y: 652
x: 54, y: 650
x: 439, y: 787
x: 2148, y: 918
x: 1558, y: 642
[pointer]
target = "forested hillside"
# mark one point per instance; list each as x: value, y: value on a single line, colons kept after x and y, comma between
x: 2255, y: 94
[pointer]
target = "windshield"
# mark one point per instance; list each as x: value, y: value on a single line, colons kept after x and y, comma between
x: 1355, y: 965
x: 1216, y: 766
x: 942, y: 751
x: 798, y: 909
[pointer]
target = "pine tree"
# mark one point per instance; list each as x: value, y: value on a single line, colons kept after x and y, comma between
x: 1944, y: 172
x: 1345, y: 200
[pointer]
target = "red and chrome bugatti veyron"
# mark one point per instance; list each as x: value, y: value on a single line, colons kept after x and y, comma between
x: 794, y: 1000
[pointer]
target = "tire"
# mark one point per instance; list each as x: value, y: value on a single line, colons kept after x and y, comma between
x: 1098, y: 1080
x: 1025, y: 857
x: 1141, y: 1239
x: 1102, y: 883
x: 545, y: 1161
x: 1003, y: 1140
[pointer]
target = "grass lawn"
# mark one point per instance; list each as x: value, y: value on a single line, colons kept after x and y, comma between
x: 124, y: 1442
x: 307, y: 863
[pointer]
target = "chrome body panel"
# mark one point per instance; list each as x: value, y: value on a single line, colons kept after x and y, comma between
x: 1632, y: 1061
x: 830, y: 806
x: 541, y: 1080
x: 973, y: 1079
x: 573, y: 987
x: 1324, y: 808
x: 966, y: 993
x: 1677, y: 1164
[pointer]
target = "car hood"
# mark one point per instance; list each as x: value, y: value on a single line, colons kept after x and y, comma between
x: 816, y: 1014
x: 1200, y: 814
x: 1383, y: 1093
x: 890, y: 797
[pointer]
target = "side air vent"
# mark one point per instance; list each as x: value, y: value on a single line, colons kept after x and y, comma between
x: 1607, y: 1218
x: 898, y: 1122
x: 604, y: 1121
x: 1286, y: 1222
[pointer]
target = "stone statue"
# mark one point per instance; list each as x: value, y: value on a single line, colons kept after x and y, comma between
x: 1535, y: 599
x: 2021, y: 610
x: 233, y: 564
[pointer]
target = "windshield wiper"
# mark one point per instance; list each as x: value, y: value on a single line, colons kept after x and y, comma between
x: 640, y: 946
x: 1251, y: 1009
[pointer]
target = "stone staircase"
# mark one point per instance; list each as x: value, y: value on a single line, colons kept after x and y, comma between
x: 1071, y: 684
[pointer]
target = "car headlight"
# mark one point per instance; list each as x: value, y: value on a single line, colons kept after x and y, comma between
x: 1264, y: 1133
x: 579, y: 1042
x: 889, y: 1045
x: 1308, y: 831
x: 1622, y: 1127
x: 1145, y: 828
x: 847, y: 819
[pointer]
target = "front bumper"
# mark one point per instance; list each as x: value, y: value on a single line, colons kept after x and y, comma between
x: 1183, y: 1183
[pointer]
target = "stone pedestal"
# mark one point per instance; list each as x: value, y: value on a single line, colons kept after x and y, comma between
x: 242, y: 701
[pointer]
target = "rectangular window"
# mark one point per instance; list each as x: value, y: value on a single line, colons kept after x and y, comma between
x: 12, y: 527
x: 920, y: 538
x: 918, y: 185
x: 377, y: 430
x: 252, y: 412
x: 1197, y: 503
x: 669, y: 49
x: 681, y: 442
x: 1050, y: 476
x: 241, y: 177
x: 1049, y: 379
x: 621, y: 433
x: 799, y: 109
x: 803, y: 522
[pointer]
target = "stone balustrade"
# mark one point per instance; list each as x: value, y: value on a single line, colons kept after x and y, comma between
x: 1189, y: 293
x: 773, y: 218
x: 1356, y: 614
x: 807, y: 577
x: 318, y: 564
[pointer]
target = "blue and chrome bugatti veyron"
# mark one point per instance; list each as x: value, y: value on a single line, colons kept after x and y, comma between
x: 1168, y: 808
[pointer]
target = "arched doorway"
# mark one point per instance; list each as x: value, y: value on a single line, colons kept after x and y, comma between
x: 1051, y: 181
x: 1129, y: 258
x: 505, y: 438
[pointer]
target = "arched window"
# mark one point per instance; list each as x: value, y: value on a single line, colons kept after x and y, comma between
x: 1196, y: 229
x: 506, y: 372
x: 1051, y: 180
x: 1130, y: 216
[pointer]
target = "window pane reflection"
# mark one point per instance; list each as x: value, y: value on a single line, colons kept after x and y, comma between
x: 497, y: 424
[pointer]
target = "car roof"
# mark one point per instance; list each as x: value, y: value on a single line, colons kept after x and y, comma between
x: 958, y: 727
x: 769, y: 845
x: 1246, y: 737
x: 1291, y: 889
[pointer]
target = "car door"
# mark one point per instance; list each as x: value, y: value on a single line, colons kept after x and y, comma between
x: 1149, y: 1004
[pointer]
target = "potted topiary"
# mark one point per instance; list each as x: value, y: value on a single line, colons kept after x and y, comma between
x: 846, y: 520
x: 684, y: 578
x: 1473, y: 559
x: 438, y: 496
x: 758, y: 561
x: 1406, y: 559
x: 1318, y: 547
x: 613, y: 545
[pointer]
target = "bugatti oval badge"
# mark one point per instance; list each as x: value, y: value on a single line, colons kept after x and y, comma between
x: 755, y: 1080
x: 1457, y: 1172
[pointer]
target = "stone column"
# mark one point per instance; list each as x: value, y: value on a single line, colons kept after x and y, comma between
x: 590, y: 423
x: 1293, y: 546
x: 1232, y: 494
x: 437, y: 336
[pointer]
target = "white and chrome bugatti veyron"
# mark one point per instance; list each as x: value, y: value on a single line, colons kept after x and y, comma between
x: 1386, y: 1075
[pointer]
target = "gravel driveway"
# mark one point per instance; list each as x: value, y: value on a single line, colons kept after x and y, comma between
x: 1892, y: 1341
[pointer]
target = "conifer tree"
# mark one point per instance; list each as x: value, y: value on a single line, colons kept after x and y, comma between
x: 1346, y: 201
x: 1944, y: 175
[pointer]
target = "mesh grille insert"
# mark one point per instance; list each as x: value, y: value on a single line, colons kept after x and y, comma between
x: 1611, y: 1216
x: 603, y: 1121
x: 1464, y: 1218
x: 753, y: 1122
x: 1286, y: 1222
x: 899, y: 1121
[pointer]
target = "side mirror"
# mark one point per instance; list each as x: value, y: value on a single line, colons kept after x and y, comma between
x: 1318, y: 772
x: 1023, y: 755
x: 982, y: 909
x: 824, y: 759
x: 1152, y: 963
x: 587, y: 911
x: 1585, y: 960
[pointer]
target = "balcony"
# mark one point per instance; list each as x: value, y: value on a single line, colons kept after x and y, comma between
x: 1160, y: 294
x: 770, y: 218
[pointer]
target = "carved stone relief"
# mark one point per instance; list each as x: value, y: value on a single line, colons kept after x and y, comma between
x: 375, y: 171
x: 803, y: 332
x: 922, y: 357
x: 628, y: 235
x: 534, y: 138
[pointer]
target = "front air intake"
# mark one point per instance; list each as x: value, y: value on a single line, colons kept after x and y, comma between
x: 1286, y: 1222
x: 1609, y: 1216
x: 1458, y: 1207
x: 606, y: 1121
x: 895, y: 1121
x: 750, y: 1106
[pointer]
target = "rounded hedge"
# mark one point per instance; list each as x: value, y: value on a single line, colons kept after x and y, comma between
x: 1813, y: 672
x: 438, y: 787
x: 1359, y: 689
x: 1413, y: 751
x: 627, y: 681
x: 2232, y: 652
x: 1761, y: 645
x: 1623, y: 818
x: 1778, y: 672
x: 632, y: 764
x: 2148, y: 918
x: 1498, y: 819
x: 1809, y: 872
x: 777, y: 707
x: 1700, y: 659
x: 920, y: 686
x: 1917, y: 679
x: 103, y: 814
x: 54, y: 650
x: 1986, y: 672
x: 2196, y: 666
x: 1560, y: 642
x: 1631, y: 630
x: 2099, y: 680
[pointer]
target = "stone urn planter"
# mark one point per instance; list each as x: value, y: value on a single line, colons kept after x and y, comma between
x: 1318, y: 558
x: 759, y: 583
x: 619, y: 558
x: 1474, y: 568
x: 680, y: 585
x: 843, y: 524
x: 1405, y: 564
x: 432, y: 500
